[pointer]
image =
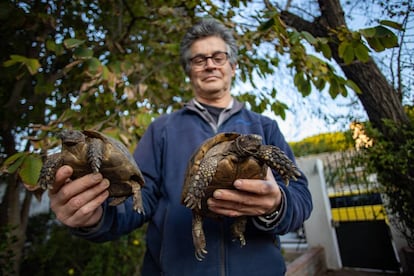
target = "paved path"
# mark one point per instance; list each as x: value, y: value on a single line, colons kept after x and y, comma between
x: 352, y: 272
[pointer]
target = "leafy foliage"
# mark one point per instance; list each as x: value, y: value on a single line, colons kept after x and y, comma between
x: 392, y: 160
x: 52, y: 250
x: 6, y: 254
x: 323, y: 143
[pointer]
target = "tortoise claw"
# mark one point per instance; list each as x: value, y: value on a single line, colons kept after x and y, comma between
x: 192, y: 202
x: 200, y: 254
x: 139, y: 209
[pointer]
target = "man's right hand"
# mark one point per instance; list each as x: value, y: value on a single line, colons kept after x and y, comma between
x: 78, y: 203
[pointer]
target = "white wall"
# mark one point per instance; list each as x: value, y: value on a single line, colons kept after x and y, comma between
x: 318, y: 228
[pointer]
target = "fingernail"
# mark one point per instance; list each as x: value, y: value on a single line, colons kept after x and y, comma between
x: 218, y: 194
x: 106, y: 183
x: 210, y: 203
x: 237, y: 183
x: 97, y: 177
x: 66, y: 170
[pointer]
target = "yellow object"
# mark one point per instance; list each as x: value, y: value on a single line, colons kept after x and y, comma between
x: 359, y: 213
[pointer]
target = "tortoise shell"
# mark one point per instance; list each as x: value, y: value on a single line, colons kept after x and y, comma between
x: 216, y: 164
x: 90, y: 151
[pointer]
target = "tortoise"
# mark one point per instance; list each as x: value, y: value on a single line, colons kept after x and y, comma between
x: 90, y: 151
x: 216, y: 164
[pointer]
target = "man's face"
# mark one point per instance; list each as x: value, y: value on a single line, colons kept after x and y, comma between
x: 210, y: 81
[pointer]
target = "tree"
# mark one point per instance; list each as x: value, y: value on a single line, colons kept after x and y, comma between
x: 392, y: 128
x: 65, y: 64
x: 112, y: 66
x: 360, y: 68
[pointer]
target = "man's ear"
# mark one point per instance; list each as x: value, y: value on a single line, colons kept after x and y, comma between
x: 233, y: 68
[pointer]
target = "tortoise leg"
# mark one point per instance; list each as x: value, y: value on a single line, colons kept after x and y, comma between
x: 276, y: 159
x: 48, y: 171
x: 199, y: 182
x: 238, y: 228
x: 95, y: 155
x: 137, y: 198
x: 199, y: 239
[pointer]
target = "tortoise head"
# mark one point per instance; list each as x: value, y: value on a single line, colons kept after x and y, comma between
x: 248, y: 144
x: 71, y: 137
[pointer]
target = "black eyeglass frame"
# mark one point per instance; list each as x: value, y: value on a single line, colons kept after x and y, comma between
x: 203, y: 59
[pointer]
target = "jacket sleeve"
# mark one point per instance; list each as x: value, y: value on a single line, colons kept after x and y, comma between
x: 119, y: 220
x: 297, y: 201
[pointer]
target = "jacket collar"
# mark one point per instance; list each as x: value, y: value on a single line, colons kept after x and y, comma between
x: 234, y: 107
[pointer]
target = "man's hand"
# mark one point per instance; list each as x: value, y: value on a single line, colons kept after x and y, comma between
x: 78, y: 203
x: 252, y: 197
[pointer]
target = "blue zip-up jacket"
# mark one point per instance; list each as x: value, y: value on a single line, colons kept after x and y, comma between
x: 162, y: 155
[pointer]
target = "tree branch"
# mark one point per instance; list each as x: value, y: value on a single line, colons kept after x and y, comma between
x: 301, y: 24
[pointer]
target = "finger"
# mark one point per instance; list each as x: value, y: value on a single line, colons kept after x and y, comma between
x: 222, y: 208
x: 232, y: 209
x: 62, y: 176
x: 72, y: 201
x: 79, y: 185
x: 236, y: 201
x: 90, y: 213
x: 258, y: 186
x: 76, y: 210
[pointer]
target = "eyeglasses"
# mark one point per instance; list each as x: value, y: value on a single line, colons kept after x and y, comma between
x: 218, y: 58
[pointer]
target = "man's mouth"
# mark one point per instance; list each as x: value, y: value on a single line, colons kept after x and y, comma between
x: 211, y: 77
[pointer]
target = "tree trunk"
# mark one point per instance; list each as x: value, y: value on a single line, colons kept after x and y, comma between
x: 379, y: 98
x: 14, y: 213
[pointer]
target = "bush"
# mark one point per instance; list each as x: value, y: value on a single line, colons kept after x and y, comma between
x: 321, y: 143
x: 51, y: 250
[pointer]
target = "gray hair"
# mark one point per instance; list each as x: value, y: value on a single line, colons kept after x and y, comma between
x: 204, y: 28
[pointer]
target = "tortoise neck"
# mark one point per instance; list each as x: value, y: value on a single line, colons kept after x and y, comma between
x: 239, y: 149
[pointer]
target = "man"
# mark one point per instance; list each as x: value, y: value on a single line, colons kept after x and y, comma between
x: 209, y: 57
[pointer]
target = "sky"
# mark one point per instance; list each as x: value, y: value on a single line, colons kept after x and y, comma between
x: 302, y: 119
x: 315, y: 114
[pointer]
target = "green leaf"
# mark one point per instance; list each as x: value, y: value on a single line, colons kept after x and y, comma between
x: 389, y: 41
x: 302, y: 84
x: 16, y: 165
x: 56, y: 48
x: 267, y: 25
x: 32, y: 65
x: 334, y: 88
x: 279, y: 108
x: 353, y: 86
x: 30, y: 170
x: 391, y: 24
x: 309, y: 38
x: 346, y: 52
x: 72, y: 43
x: 375, y: 44
x: 82, y: 53
x: 386, y: 37
x: 326, y: 50
x: 294, y: 37
x: 115, y: 67
x: 342, y: 48
x: 12, y: 61
x: 12, y: 164
x: 94, y: 66
x: 319, y: 83
x: 13, y: 158
x: 362, y: 52
x: 51, y: 45
x: 368, y: 32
